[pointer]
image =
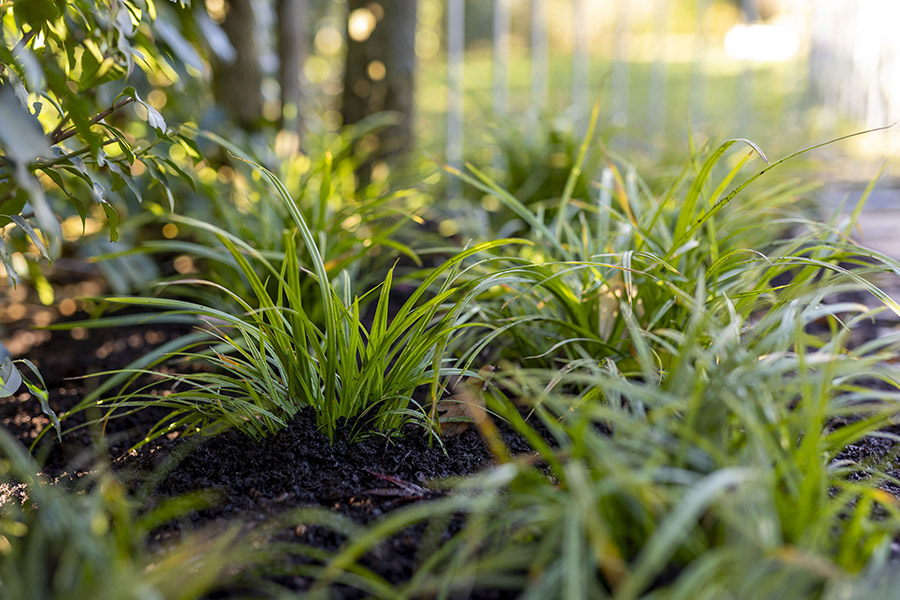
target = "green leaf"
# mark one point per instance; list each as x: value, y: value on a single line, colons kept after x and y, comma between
x: 154, y: 118
x: 703, y: 218
x: 113, y: 219
x: 37, y: 13
x: 40, y: 390
x: 687, y: 210
x: 43, y: 214
x: 10, y: 378
x: 32, y: 235
x: 11, y: 275
x: 190, y: 146
x: 181, y: 173
x: 12, y: 206
x: 56, y: 177
x: 121, y: 141
x: 22, y: 139
x: 126, y: 179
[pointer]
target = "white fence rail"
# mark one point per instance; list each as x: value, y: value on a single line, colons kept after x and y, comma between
x: 855, y: 59
x: 831, y: 57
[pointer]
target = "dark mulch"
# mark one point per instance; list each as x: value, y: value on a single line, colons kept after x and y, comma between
x: 299, y: 466
x: 253, y: 481
x: 66, y: 362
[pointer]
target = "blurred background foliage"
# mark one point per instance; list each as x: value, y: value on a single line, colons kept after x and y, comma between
x: 117, y: 112
x: 126, y: 127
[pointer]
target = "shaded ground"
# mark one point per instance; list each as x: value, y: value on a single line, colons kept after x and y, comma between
x: 253, y: 481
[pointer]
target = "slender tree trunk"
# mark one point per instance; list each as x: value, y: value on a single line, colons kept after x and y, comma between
x: 400, y: 59
x: 380, y: 70
x: 291, y: 56
x: 237, y: 84
x: 358, y: 93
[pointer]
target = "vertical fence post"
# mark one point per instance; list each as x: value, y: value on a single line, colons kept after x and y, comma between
x: 656, y: 102
x: 797, y: 73
x: 698, y: 66
x: 818, y: 100
x: 539, y: 61
x: 501, y: 57
x: 744, y: 95
x: 871, y: 55
x: 893, y: 78
x: 581, y: 74
x: 620, y: 66
x: 456, y: 40
x: 845, y: 26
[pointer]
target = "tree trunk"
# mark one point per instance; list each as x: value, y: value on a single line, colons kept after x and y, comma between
x: 380, y: 70
x: 237, y: 85
x: 291, y: 56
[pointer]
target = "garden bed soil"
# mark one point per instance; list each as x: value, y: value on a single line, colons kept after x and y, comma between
x: 252, y: 481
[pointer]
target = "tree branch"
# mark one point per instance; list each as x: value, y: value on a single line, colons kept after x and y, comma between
x: 19, y: 45
x: 59, y: 134
x: 65, y: 157
x: 24, y: 41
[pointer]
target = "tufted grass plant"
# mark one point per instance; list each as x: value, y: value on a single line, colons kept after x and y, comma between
x: 356, y: 229
x: 649, y: 250
x: 720, y: 476
x: 306, y: 346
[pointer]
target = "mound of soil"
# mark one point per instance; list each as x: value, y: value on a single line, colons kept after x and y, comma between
x: 255, y: 481
x: 252, y: 481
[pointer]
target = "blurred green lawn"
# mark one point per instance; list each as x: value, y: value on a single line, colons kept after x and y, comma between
x: 763, y: 100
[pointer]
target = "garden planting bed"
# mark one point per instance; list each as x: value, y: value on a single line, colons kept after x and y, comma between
x: 253, y: 482
x: 638, y: 414
x: 663, y: 370
x: 250, y: 481
x: 551, y: 373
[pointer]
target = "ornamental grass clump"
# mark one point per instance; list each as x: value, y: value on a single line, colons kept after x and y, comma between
x: 649, y: 251
x: 718, y: 474
x: 296, y: 346
x: 701, y: 444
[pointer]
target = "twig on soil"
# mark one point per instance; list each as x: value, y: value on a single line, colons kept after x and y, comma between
x: 404, y: 489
